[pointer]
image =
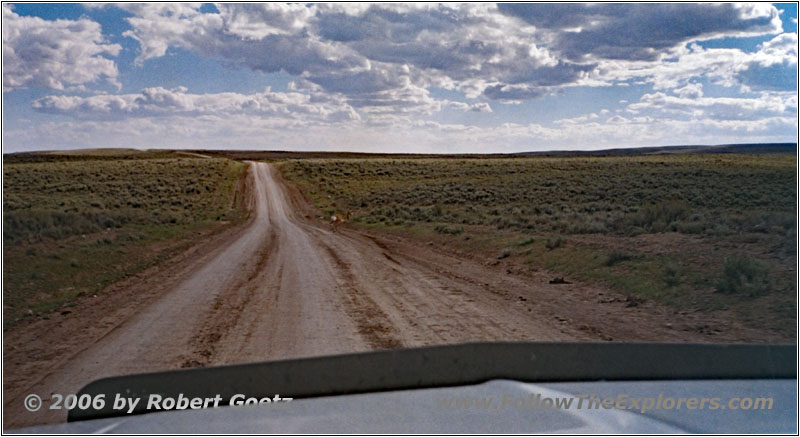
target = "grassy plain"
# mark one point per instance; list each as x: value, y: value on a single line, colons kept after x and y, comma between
x: 698, y: 232
x: 75, y: 223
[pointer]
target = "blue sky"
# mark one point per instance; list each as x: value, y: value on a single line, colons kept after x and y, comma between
x: 479, y: 78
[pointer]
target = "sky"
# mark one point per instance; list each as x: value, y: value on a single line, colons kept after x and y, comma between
x: 417, y: 78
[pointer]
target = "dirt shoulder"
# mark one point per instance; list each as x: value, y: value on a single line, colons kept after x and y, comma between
x: 601, y: 312
x: 38, y: 348
x: 35, y: 346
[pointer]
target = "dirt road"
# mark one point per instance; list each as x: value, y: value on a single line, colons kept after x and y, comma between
x: 284, y: 287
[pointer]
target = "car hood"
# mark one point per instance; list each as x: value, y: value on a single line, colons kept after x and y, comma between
x: 465, y: 409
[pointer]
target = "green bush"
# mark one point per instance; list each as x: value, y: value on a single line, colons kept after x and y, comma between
x: 745, y: 276
x: 661, y: 216
x: 672, y: 275
x: 616, y: 257
x: 554, y: 243
x: 452, y: 230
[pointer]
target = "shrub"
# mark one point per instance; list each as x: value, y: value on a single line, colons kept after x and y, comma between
x: 690, y: 227
x: 617, y: 256
x: 452, y: 230
x: 746, y: 276
x: 672, y: 275
x: 661, y: 216
x: 554, y: 243
x: 563, y: 196
x: 71, y: 197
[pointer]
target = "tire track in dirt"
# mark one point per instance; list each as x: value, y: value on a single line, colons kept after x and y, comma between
x: 425, y: 306
x: 372, y: 322
x: 228, y: 308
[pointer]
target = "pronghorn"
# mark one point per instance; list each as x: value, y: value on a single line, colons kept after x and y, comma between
x: 338, y: 219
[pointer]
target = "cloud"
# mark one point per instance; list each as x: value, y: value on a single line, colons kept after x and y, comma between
x: 360, y: 51
x: 304, y: 101
x: 475, y: 107
x: 773, y: 66
x: 258, y: 20
x: 158, y: 101
x: 641, y: 32
x: 777, y: 59
x: 54, y: 54
x: 690, y: 91
x: 369, y: 76
x: 513, y: 93
x: 510, y: 52
x: 249, y: 131
x: 720, y: 108
x: 480, y: 107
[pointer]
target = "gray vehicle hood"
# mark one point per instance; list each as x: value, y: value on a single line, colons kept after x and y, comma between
x: 425, y: 411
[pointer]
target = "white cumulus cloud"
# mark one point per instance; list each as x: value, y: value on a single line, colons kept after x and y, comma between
x: 54, y: 54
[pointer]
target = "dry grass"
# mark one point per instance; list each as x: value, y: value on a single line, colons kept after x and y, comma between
x: 593, y: 218
x: 72, y: 226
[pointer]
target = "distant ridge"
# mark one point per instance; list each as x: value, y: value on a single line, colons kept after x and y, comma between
x: 764, y: 148
x: 111, y: 153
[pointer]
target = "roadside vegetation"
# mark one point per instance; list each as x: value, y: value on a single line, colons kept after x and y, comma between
x: 73, y: 224
x: 697, y: 231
